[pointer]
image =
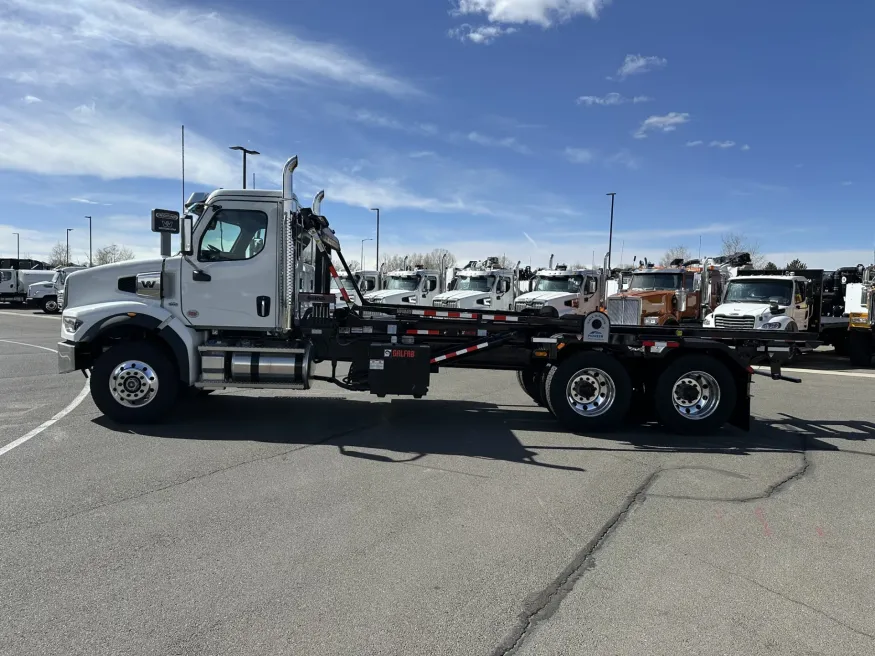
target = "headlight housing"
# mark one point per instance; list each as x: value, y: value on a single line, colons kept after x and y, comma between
x: 651, y: 321
x: 72, y: 324
x: 859, y: 319
x: 772, y: 325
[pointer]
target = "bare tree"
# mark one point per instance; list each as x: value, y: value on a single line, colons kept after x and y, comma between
x: 112, y: 253
x: 733, y: 242
x: 395, y: 262
x: 58, y: 255
x: 679, y: 252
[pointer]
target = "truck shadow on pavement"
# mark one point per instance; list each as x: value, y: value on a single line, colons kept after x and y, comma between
x: 413, y: 429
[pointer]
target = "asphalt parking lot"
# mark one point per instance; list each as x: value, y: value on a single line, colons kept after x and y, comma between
x: 466, y: 523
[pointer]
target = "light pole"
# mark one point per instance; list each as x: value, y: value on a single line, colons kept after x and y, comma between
x: 90, y: 259
x: 362, y: 261
x: 69, y: 230
x: 611, y: 232
x: 377, y: 210
x: 17, y: 245
x: 245, y: 152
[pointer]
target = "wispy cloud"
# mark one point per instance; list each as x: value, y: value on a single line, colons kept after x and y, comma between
x: 84, y: 201
x: 378, y: 120
x: 667, y: 123
x: 481, y: 35
x: 579, y: 155
x: 722, y: 144
x: 745, y: 147
x: 498, y: 142
x: 847, y: 183
x: 419, y: 154
x: 624, y: 158
x: 636, y: 65
x: 153, y: 52
x: 612, y: 98
x: 30, y: 100
x: 531, y: 241
x: 697, y: 142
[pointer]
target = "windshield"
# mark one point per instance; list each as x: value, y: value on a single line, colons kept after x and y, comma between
x: 58, y: 278
x: 475, y: 283
x: 569, y: 284
x: 403, y: 283
x: 759, y: 291
x: 346, y: 282
x: 655, y: 281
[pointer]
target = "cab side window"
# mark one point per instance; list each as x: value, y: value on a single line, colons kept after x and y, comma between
x: 689, y: 283
x: 800, y: 292
x: 233, y: 235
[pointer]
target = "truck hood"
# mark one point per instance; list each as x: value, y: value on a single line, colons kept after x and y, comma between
x: 100, y: 284
x: 654, y: 301
x: 40, y: 285
x: 462, y: 296
x: 388, y: 295
x: 546, y: 297
x: 744, y: 309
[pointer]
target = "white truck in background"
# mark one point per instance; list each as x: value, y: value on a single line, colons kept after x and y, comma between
x: 366, y: 281
x: 45, y: 294
x: 481, y: 285
x: 561, y: 291
x: 14, y: 283
x: 416, y: 286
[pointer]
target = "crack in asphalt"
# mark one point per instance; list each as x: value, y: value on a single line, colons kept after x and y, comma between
x: 544, y: 604
x: 300, y: 447
x: 787, y: 597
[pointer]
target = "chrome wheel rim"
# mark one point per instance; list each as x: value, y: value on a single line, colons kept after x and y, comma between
x: 590, y: 392
x: 696, y: 395
x: 51, y: 306
x: 133, y: 384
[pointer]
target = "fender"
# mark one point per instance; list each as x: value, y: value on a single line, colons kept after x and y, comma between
x: 182, y: 340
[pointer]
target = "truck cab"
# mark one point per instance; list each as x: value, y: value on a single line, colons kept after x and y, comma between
x: 45, y: 295
x: 480, y: 285
x: 15, y: 283
x: 560, y: 292
x: 367, y: 281
x: 860, y: 307
x: 660, y: 297
x: 417, y: 286
x: 764, y: 302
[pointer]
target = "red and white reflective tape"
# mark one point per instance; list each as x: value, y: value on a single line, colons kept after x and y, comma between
x: 500, y: 317
x: 340, y: 286
x: 423, y: 332
x: 441, y: 313
x: 463, y: 351
x: 660, y: 344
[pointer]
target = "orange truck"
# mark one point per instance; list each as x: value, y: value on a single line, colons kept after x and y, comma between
x: 681, y: 293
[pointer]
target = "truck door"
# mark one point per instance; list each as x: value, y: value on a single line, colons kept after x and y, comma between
x: 429, y: 289
x: 693, y: 295
x: 8, y: 281
x: 235, y: 281
x: 503, y: 297
x: 801, y: 308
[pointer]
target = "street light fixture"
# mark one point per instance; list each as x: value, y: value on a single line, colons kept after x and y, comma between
x: 377, y: 210
x: 611, y: 232
x: 69, y: 230
x: 17, y: 245
x: 362, y: 260
x: 245, y: 152
x: 90, y: 259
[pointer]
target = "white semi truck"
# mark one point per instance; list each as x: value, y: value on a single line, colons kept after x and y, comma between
x: 416, y: 286
x: 14, y: 283
x: 246, y: 304
x: 45, y: 294
x: 366, y: 281
x: 561, y: 291
x: 481, y: 285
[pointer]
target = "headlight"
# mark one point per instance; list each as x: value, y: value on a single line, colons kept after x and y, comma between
x: 651, y: 321
x: 772, y: 325
x: 486, y: 301
x: 410, y: 299
x: 859, y: 319
x: 72, y: 324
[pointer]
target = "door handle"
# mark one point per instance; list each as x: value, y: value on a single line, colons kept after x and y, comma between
x: 262, y: 306
x: 201, y: 276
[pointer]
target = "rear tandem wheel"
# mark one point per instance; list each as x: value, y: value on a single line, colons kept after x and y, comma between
x: 695, y: 395
x: 590, y: 391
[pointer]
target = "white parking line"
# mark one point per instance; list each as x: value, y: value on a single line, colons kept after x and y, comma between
x: 848, y: 374
x: 30, y: 316
x: 44, y: 348
x: 63, y: 413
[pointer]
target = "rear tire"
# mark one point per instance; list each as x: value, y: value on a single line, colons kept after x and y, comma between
x: 532, y: 383
x: 695, y: 395
x: 590, y: 391
x: 134, y: 383
x: 50, y: 305
x: 860, y: 347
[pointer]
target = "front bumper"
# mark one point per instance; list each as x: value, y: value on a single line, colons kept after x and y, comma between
x: 67, y: 358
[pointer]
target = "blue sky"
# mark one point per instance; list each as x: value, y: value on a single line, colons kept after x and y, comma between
x: 482, y: 126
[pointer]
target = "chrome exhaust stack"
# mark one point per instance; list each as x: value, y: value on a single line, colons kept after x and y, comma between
x: 317, y: 203
x: 288, y: 242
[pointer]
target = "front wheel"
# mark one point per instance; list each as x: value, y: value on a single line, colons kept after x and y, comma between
x: 694, y: 395
x: 590, y: 391
x: 50, y: 305
x: 134, y: 383
x: 860, y: 347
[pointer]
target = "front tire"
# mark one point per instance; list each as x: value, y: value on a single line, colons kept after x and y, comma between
x: 50, y: 305
x: 134, y: 383
x: 860, y: 347
x: 590, y: 391
x: 695, y: 395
